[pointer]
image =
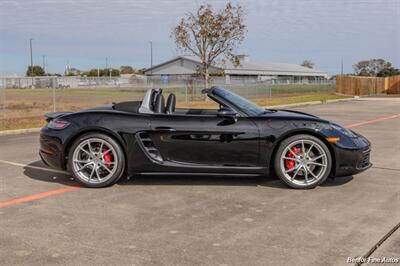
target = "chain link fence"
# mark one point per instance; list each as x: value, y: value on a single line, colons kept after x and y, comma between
x: 24, y: 101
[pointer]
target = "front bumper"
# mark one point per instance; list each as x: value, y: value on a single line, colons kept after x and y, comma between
x: 354, y: 160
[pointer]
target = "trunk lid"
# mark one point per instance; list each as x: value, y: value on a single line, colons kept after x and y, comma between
x: 54, y: 115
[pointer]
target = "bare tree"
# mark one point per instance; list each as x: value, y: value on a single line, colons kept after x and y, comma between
x: 307, y: 63
x: 209, y: 34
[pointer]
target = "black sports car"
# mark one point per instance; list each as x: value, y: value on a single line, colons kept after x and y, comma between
x: 150, y: 137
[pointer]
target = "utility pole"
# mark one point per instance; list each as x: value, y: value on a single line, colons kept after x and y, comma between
x: 106, y: 62
x: 44, y: 64
x: 109, y: 70
x: 151, y: 57
x: 30, y: 45
x: 67, y: 68
x: 341, y: 69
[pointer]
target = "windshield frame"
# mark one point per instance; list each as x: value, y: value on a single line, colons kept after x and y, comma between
x: 235, y: 101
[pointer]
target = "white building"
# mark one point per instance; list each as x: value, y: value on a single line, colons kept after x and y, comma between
x: 187, y: 66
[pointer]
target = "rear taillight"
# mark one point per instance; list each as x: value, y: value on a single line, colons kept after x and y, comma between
x: 47, y: 151
x: 58, y: 124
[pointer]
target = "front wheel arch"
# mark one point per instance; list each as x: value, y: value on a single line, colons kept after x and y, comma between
x: 302, y: 132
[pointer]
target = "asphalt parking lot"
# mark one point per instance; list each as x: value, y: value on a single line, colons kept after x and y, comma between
x: 46, y: 220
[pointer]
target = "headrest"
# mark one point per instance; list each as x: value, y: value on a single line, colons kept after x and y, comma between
x: 171, y: 102
x: 159, y: 105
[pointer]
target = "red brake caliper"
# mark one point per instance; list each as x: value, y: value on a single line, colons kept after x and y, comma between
x: 289, y: 164
x: 107, y: 157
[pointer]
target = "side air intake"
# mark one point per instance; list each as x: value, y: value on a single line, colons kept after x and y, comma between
x: 149, y: 147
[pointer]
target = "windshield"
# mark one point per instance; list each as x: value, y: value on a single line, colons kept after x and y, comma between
x: 243, y: 104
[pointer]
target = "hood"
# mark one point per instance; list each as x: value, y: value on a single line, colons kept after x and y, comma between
x: 291, y: 114
x: 296, y: 113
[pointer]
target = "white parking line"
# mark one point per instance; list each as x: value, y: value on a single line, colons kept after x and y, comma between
x: 34, y: 167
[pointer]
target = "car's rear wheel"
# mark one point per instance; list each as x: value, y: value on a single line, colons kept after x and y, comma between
x: 303, y: 161
x: 96, y: 160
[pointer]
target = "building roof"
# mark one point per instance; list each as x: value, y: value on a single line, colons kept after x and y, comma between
x: 248, y: 67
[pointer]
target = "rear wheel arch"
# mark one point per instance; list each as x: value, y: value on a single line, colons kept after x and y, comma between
x: 302, y: 132
x: 104, y: 131
x: 96, y: 160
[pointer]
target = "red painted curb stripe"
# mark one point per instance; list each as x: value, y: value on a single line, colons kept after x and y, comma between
x: 33, y: 197
x: 373, y: 121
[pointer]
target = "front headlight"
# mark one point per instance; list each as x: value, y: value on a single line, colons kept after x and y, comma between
x: 343, y: 130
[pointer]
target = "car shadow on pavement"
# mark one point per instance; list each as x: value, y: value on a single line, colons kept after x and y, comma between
x: 200, y: 180
x: 337, y: 181
x: 47, y: 175
x: 34, y: 171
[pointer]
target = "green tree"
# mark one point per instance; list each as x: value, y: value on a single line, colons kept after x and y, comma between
x: 35, y: 71
x: 114, y: 72
x: 94, y: 72
x: 209, y: 34
x: 127, y: 70
x: 372, y: 67
x: 54, y: 74
x: 388, y: 71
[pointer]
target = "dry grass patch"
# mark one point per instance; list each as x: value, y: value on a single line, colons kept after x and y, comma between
x: 25, y: 108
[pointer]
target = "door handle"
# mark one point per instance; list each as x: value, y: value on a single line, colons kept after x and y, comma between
x: 165, y: 129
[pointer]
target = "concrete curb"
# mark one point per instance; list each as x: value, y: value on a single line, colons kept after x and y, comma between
x: 379, y: 99
x: 19, y: 131
x: 341, y: 100
x: 36, y: 130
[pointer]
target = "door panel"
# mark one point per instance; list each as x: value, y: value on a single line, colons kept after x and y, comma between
x: 206, y: 140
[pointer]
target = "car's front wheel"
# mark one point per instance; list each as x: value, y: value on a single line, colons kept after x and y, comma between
x: 303, y: 161
x: 96, y: 160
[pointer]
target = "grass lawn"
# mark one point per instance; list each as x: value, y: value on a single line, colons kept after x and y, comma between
x: 24, y: 108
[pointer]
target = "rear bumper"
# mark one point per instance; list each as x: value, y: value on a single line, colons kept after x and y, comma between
x: 51, y: 151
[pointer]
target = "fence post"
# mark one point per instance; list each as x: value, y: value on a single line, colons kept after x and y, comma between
x: 54, y: 99
x: 386, y: 85
x: 3, y: 94
x: 256, y: 91
x: 270, y: 91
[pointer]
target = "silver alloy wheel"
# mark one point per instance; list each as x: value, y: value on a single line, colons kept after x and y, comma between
x: 310, y: 163
x: 95, y: 160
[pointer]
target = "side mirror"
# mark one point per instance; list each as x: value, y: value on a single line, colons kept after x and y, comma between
x: 227, y: 114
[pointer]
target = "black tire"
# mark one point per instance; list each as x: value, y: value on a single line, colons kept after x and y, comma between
x: 293, y: 139
x: 119, y: 154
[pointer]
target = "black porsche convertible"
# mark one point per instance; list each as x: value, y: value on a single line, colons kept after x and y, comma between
x: 151, y: 136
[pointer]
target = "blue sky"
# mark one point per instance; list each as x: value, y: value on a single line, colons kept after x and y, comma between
x: 84, y: 32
